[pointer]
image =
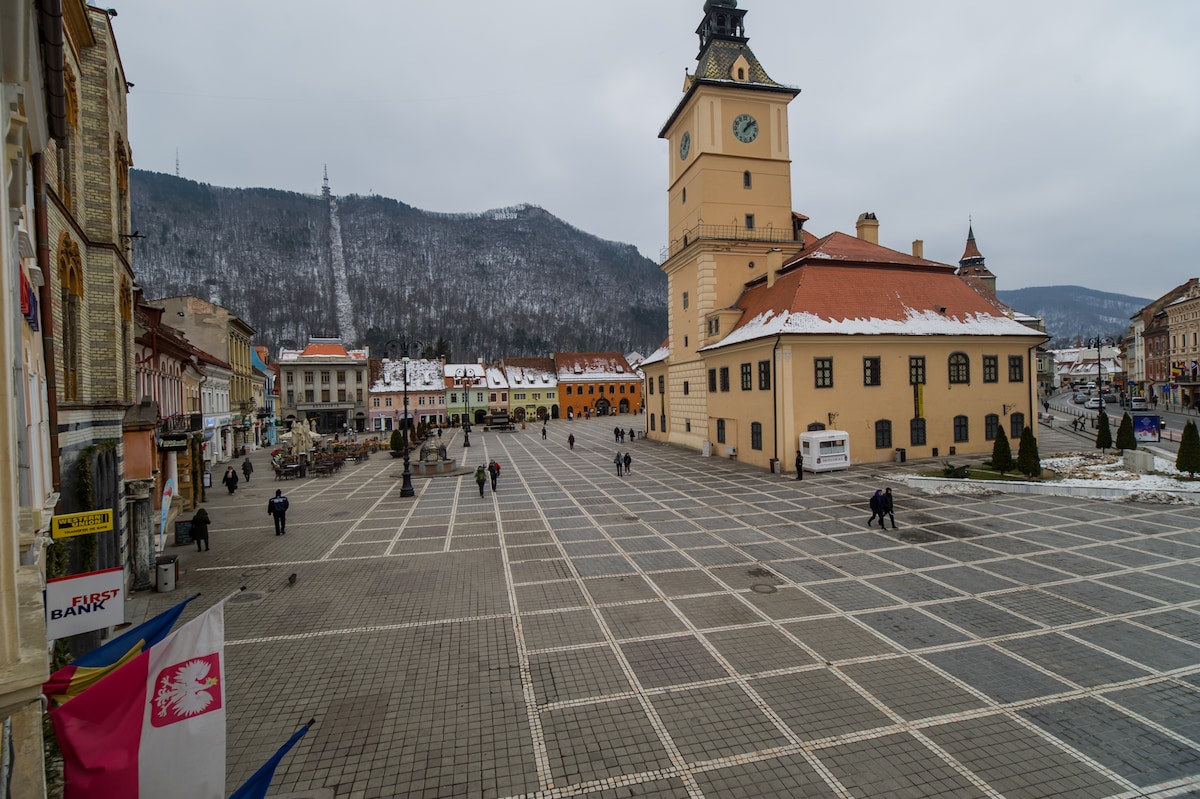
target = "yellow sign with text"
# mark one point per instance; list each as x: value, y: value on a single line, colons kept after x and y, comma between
x: 91, y: 521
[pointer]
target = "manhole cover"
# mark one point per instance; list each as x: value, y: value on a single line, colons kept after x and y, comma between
x: 246, y: 596
x: 763, y: 588
x: 255, y: 572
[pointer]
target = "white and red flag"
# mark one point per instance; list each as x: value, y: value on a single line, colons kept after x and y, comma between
x: 154, y: 727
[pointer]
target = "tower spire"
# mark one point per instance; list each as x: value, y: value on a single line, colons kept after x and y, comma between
x: 325, y: 184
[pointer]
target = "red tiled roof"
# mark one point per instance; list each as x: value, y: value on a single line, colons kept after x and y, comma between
x: 325, y: 349
x: 841, y: 247
x: 611, y: 365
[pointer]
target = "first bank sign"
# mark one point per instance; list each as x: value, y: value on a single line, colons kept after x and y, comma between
x: 81, y: 603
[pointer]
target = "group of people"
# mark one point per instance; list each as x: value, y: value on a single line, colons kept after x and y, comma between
x: 622, y: 463
x: 619, y: 435
x: 881, y: 506
x: 482, y: 474
x: 277, y: 507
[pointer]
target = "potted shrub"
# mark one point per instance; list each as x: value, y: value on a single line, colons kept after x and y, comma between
x: 397, y: 443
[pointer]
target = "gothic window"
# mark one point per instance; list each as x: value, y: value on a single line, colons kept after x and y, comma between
x: 70, y: 277
x: 960, y: 368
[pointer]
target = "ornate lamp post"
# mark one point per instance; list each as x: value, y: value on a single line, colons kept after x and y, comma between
x: 406, y: 487
x: 466, y: 378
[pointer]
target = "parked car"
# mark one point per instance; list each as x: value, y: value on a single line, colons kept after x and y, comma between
x: 1093, y: 403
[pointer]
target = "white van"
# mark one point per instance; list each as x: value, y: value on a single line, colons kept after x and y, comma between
x: 1137, y: 404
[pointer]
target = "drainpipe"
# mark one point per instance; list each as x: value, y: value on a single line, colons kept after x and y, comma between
x: 775, y: 397
x: 45, y: 298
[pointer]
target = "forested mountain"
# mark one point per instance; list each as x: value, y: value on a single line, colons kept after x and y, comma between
x: 1074, y: 312
x: 511, y: 282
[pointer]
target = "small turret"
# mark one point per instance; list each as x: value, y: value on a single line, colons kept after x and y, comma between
x: 972, y: 267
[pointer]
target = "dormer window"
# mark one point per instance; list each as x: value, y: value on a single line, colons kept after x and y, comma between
x: 741, y: 75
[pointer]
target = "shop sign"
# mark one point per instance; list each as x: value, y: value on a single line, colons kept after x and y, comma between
x: 91, y: 521
x: 81, y: 603
x: 173, y: 443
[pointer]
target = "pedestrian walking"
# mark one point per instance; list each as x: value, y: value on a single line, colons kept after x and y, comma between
x: 620, y: 462
x: 543, y: 432
x: 888, y: 508
x: 799, y: 466
x: 247, y: 468
x: 277, y: 508
x: 439, y: 434
x: 494, y: 471
x: 632, y: 434
x: 876, y: 508
x: 481, y: 478
x: 200, y: 524
x: 230, y: 480
x: 616, y: 434
x: 571, y: 441
x: 626, y: 461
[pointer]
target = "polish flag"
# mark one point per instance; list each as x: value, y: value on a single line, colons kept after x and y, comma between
x: 156, y: 726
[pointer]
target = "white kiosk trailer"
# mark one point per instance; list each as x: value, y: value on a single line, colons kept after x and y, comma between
x: 825, y: 450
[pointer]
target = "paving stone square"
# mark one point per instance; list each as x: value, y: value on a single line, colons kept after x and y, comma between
x: 699, y: 629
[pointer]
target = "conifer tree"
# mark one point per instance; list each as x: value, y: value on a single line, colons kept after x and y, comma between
x: 1125, y: 437
x: 1104, y: 434
x: 1002, y: 459
x: 1188, y: 459
x: 1029, y: 461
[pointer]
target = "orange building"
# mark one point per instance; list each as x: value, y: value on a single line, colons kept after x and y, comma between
x: 597, y: 384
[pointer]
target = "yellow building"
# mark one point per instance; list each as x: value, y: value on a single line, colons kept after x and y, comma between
x: 773, y: 332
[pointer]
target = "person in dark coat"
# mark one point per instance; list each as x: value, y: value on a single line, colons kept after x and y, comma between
x: 200, y: 523
x: 481, y: 478
x: 247, y: 468
x: 876, y: 508
x: 230, y: 480
x: 571, y: 441
x: 887, y: 507
x: 543, y: 431
x: 620, y: 462
x: 494, y: 471
x: 627, y: 460
x: 277, y: 507
x: 799, y: 466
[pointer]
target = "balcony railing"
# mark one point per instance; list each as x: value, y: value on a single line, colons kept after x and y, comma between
x: 727, y: 233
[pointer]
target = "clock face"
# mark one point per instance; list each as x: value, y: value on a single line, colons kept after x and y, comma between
x: 685, y: 145
x: 745, y: 127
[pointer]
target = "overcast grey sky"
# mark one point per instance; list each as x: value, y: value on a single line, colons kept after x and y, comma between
x: 1069, y: 131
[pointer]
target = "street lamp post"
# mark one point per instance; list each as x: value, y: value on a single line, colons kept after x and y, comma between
x: 406, y: 486
x: 466, y: 380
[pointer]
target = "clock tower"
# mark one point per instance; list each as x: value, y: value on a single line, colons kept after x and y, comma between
x: 729, y: 193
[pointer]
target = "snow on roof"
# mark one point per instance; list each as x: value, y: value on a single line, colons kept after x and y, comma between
x: 657, y: 356
x: 423, y: 375
x: 574, y: 366
x: 471, y: 369
x: 537, y: 373
x: 496, y: 378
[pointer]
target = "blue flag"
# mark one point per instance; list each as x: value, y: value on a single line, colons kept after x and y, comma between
x: 256, y: 787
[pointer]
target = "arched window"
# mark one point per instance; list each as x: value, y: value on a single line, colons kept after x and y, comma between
x: 756, y: 435
x: 961, y: 429
x: 991, y: 423
x: 70, y: 278
x: 916, y: 432
x: 960, y: 368
x: 883, y: 434
x: 1016, y: 424
x: 815, y: 426
x: 746, y: 181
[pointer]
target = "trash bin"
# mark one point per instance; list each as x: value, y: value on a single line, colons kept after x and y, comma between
x: 167, y: 572
x: 901, y: 454
x: 207, y: 479
x: 775, y: 469
x: 1162, y: 424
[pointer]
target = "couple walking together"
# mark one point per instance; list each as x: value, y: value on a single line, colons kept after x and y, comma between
x: 881, y: 506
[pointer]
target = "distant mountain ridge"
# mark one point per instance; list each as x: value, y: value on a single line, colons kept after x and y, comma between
x: 508, y: 282
x: 1075, y: 312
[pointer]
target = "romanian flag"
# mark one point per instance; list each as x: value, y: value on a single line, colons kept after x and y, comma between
x: 256, y: 787
x: 93, y: 667
x: 155, y: 727
x: 1176, y: 369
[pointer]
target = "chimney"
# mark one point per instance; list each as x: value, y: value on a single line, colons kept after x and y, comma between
x: 774, y: 264
x: 918, y: 248
x: 868, y: 227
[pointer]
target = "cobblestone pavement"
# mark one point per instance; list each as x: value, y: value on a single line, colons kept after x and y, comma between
x: 699, y: 628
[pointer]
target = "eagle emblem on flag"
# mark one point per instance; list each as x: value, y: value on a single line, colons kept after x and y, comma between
x: 186, y: 690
